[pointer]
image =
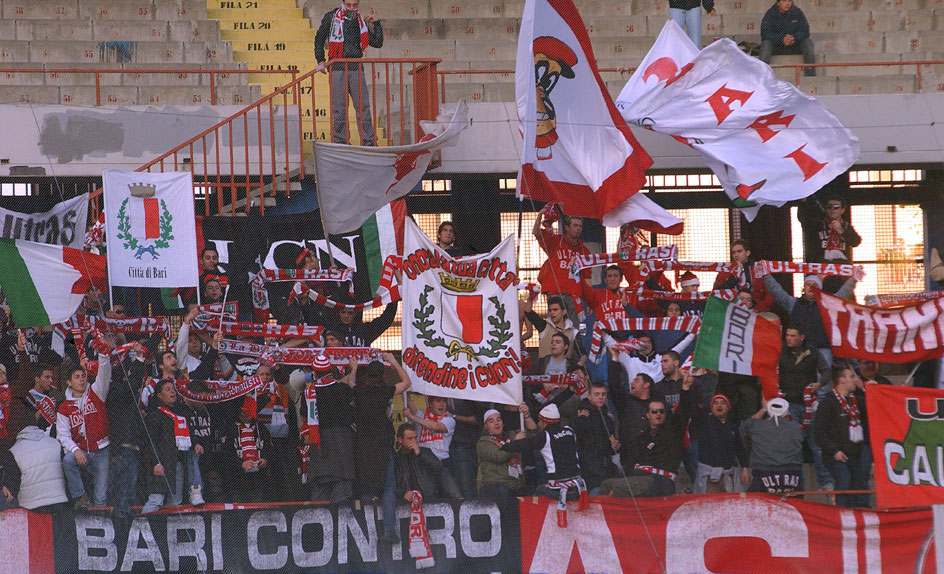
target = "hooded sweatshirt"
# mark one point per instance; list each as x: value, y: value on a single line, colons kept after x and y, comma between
x: 772, y: 444
x: 39, y: 458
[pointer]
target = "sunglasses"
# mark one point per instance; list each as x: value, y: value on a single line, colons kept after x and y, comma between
x: 656, y: 411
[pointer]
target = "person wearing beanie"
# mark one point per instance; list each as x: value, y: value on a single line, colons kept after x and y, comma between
x: 349, y: 324
x: 803, y: 313
x: 557, y: 444
x: 500, y: 473
x: 690, y: 283
x: 720, y: 451
x: 773, y: 442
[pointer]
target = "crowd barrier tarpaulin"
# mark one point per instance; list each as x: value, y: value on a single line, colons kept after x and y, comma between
x: 472, y: 536
x: 723, y: 533
x: 906, y: 428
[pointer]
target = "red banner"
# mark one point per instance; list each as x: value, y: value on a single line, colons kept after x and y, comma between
x: 904, y: 335
x: 723, y: 533
x: 907, y: 437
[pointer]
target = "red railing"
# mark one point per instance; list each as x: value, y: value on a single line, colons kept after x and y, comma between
x: 258, y: 152
x: 214, y: 74
x: 798, y: 70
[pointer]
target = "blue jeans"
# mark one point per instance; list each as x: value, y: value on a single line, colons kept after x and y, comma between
x: 156, y: 500
x: 124, y: 479
x: 193, y: 470
x: 690, y: 21
x: 97, y: 468
x: 462, y: 465
x: 849, y: 475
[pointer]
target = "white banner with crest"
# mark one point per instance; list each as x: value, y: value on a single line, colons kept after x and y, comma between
x: 461, y: 335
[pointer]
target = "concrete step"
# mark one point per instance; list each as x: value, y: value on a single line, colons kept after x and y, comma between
x: 862, y: 71
x: 501, y: 29
x: 247, y: 14
x: 180, y: 10
x: 744, y: 26
x: 68, y: 79
x: 52, y: 29
x: 647, y: 7
x: 7, y: 30
x: 840, y: 22
x: 131, y: 30
x: 136, y: 10
x: 265, y: 26
x: 173, y: 95
x: 109, y: 95
x: 269, y: 45
x: 819, y: 85
x: 29, y: 95
x: 877, y: 85
x: 444, y: 49
x: 40, y: 9
x: 629, y: 26
x: 458, y: 9
x: 10, y: 77
x: 396, y: 29
x: 195, y: 31
x: 52, y: 52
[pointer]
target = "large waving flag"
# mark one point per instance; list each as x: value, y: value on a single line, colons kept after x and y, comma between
x: 767, y: 142
x: 578, y: 150
x: 354, y: 182
x: 45, y: 284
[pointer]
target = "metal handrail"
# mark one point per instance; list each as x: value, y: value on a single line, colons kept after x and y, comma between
x: 270, y: 175
x: 213, y: 73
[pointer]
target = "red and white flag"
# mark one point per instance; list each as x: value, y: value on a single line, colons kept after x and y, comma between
x: 766, y: 141
x: 577, y: 150
x: 461, y: 335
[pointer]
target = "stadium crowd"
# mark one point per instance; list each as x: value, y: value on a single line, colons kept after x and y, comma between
x: 102, y: 420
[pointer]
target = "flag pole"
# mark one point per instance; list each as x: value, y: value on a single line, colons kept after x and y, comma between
x: 223, y: 306
x: 324, y: 226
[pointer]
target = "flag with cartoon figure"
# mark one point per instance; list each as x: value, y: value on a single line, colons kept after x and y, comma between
x: 150, y: 229
x: 461, y: 335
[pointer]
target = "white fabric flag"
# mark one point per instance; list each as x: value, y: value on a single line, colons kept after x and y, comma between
x: 577, y: 150
x: 150, y: 229
x: 64, y: 224
x: 354, y: 182
x: 767, y: 142
x: 461, y: 335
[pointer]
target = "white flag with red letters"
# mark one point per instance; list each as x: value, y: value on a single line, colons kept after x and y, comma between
x: 767, y: 142
x: 461, y: 335
x: 577, y: 149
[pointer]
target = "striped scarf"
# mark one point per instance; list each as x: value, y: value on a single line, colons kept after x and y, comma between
x: 850, y: 406
x: 689, y: 324
x: 336, y: 40
x: 809, y: 406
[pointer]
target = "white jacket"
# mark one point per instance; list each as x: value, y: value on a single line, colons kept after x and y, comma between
x: 40, y: 460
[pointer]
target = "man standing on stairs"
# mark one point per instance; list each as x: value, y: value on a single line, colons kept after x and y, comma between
x: 347, y: 33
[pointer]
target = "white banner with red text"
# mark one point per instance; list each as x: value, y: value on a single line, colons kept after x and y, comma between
x: 461, y: 334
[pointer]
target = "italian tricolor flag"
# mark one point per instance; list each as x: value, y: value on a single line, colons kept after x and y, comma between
x: 45, y: 284
x: 734, y: 339
x: 383, y: 235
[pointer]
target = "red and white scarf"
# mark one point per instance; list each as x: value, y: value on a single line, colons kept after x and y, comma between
x: 762, y: 268
x: 427, y: 435
x: 810, y: 402
x: 849, y: 406
x: 336, y: 40
x: 570, y: 380
x: 650, y: 295
x: 902, y: 299
x: 181, y: 430
x: 309, y: 431
x: 689, y: 324
x: 647, y: 268
x: 645, y: 253
x: 420, y: 549
x: 247, y: 329
x: 249, y: 445
x: 514, y: 463
x: 386, y: 293
x: 44, y: 404
x: 314, y: 275
x: 218, y: 391
x: 301, y: 357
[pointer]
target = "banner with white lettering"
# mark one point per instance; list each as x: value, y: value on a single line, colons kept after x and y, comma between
x: 906, y: 428
x: 469, y: 536
x: 902, y: 335
x: 767, y: 142
x: 248, y: 244
x: 461, y: 335
x: 64, y: 224
x: 723, y: 533
x: 150, y: 229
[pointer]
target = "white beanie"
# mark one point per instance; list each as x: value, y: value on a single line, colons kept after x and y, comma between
x: 814, y: 279
x: 550, y: 414
x: 491, y: 413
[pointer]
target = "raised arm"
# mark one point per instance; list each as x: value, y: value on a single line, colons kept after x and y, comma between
x: 405, y: 381
x: 781, y: 297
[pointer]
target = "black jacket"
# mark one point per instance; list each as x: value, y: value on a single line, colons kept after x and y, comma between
x: 631, y: 410
x: 361, y: 334
x: 719, y: 443
x: 352, y: 38
x: 832, y: 428
x: 125, y: 422
x: 160, y: 428
x: 709, y: 5
x: 797, y: 369
x: 557, y: 444
x: 425, y: 473
x: 776, y: 25
x: 662, y: 447
x: 593, y: 443
x: 803, y: 313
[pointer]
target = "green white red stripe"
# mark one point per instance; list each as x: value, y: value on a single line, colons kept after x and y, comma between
x: 734, y: 339
x: 383, y: 236
x: 45, y: 284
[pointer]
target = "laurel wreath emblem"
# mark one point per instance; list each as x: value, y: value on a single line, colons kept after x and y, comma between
x: 500, y: 331
x: 129, y: 241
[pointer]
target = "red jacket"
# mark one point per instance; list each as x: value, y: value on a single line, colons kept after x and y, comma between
x: 763, y: 299
x: 606, y: 304
x: 82, y: 422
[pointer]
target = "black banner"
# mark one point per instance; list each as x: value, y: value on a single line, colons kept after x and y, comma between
x: 275, y: 241
x: 466, y: 536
